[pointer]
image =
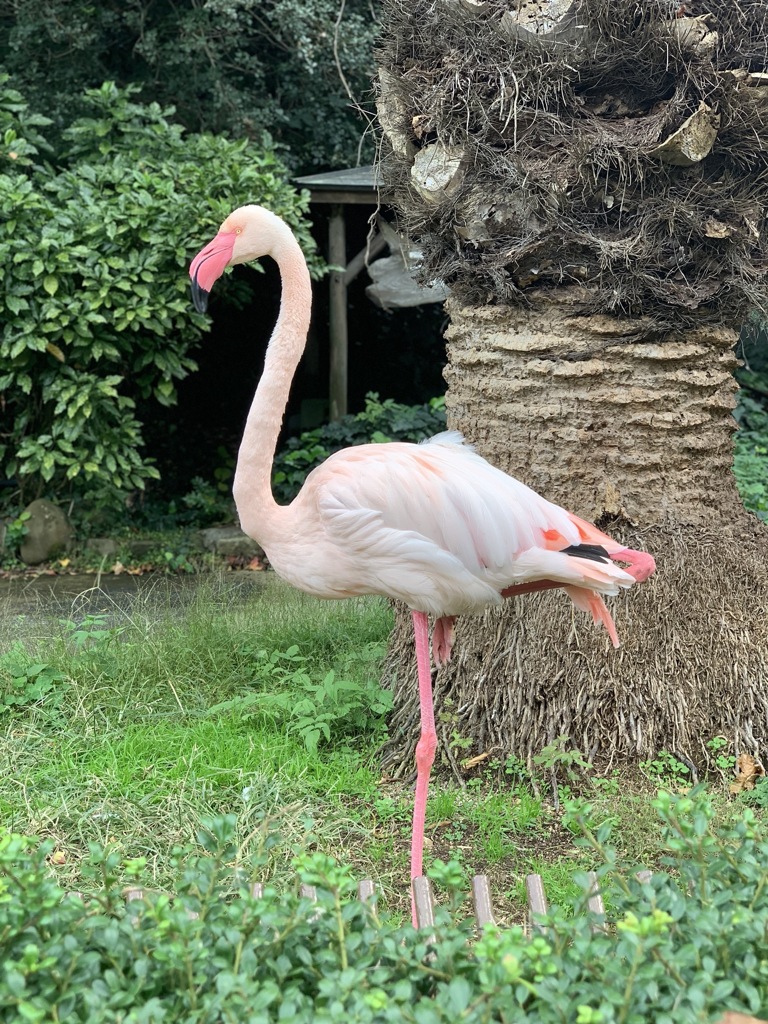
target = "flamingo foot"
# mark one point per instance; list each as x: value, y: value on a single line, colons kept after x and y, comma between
x: 641, y: 564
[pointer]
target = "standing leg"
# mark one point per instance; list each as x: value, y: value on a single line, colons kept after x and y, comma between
x: 425, y: 748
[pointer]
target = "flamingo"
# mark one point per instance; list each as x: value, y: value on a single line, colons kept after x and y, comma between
x: 432, y: 524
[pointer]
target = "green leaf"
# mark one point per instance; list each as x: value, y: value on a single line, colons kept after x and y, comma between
x: 51, y: 284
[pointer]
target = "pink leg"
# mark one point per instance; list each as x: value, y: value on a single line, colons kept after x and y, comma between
x: 425, y: 748
x: 442, y: 639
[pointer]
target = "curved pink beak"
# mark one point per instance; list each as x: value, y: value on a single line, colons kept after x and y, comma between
x: 209, y: 265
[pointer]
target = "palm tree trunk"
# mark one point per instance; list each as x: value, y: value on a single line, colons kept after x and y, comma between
x: 633, y: 432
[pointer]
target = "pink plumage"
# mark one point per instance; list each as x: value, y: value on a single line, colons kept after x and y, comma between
x: 433, y: 524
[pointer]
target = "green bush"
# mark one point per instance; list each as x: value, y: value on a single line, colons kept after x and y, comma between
x: 750, y: 460
x: 685, y: 947
x: 378, y: 422
x: 94, y: 294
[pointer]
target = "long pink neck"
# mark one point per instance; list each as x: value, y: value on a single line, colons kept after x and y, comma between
x: 259, y: 513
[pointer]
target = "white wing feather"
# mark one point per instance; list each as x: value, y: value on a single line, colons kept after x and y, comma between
x: 433, y: 524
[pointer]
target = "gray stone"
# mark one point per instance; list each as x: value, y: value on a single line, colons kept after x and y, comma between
x: 229, y: 540
x: 141, y: 548
x: 103, y: 546
x: 48, y: 532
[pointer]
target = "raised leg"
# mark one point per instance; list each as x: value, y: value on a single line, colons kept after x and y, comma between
x: 425, y: 748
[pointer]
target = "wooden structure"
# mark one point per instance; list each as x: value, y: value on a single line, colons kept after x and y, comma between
x: 353, y: 186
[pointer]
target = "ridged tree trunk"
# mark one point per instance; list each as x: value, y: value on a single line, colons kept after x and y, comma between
x: 590, y: 178
x: 636, y: 435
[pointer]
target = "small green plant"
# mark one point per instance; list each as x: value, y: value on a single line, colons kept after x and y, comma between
x: 665, y: 769
x: 758, y: 797
x: 92, y: 632
x: 724, y: 762
x: 609, y: 785
x: 558, y: 758
x: 16, y: 530
x: 24, y: 683
x: 311, y: 706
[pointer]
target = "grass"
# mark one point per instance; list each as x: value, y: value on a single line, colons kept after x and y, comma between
x: 127, y: 723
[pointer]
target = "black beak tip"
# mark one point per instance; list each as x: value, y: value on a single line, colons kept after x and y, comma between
x: 199, y: 297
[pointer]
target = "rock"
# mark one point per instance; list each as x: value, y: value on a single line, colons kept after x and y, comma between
x: 229, y: 540
x: 48, y: 531
x: 141, y: 548
x: 104, y: 546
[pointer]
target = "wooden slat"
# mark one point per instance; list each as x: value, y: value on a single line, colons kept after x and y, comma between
x: 644, y: 876
x: 366, y: 890
x: 481, y: 898
x: 732, y: 1017
x: 308, y: 892
x: 257, y: 890
x: 132, y: 894
x: 537, y: 902
x: 423, y: 901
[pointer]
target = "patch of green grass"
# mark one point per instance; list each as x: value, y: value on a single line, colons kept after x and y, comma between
x: 126, y: 722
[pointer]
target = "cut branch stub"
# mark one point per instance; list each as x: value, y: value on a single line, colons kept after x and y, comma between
x: 438, y: 171
x: 694, y: 34
x: 538, y: 18
x: 392, y: 112
x: 692, y: 141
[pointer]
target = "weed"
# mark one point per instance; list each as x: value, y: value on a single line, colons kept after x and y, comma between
x: 310, y: 707
x: 25, y: 683
x: 16, y: 530
x: 724, y: 762
x: 555, y: 757
x: 665, y: 768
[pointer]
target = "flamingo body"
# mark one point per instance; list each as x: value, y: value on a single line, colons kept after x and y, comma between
x: 431, y: 524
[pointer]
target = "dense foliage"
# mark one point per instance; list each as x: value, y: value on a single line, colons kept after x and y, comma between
x: 750, y: 460
x: 94, y: 294
x: 241, y: 67
x: 684, y: 947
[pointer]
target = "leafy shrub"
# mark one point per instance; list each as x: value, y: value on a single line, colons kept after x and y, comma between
x: 378, y: 422
x: 94, y: 301
x: 685, y: 946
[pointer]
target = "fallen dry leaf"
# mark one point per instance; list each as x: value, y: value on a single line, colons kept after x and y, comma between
x: 748, y: 771
x: 470, y: 762
x: 58, y: 857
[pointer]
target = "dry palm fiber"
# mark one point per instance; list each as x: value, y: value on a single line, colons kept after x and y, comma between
x: 537, y: 669
x: 553, y: 119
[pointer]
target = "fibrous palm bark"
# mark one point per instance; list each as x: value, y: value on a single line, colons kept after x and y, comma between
x: 597, y: 286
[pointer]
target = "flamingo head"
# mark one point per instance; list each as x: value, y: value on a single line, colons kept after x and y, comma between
x: 247, y: 234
